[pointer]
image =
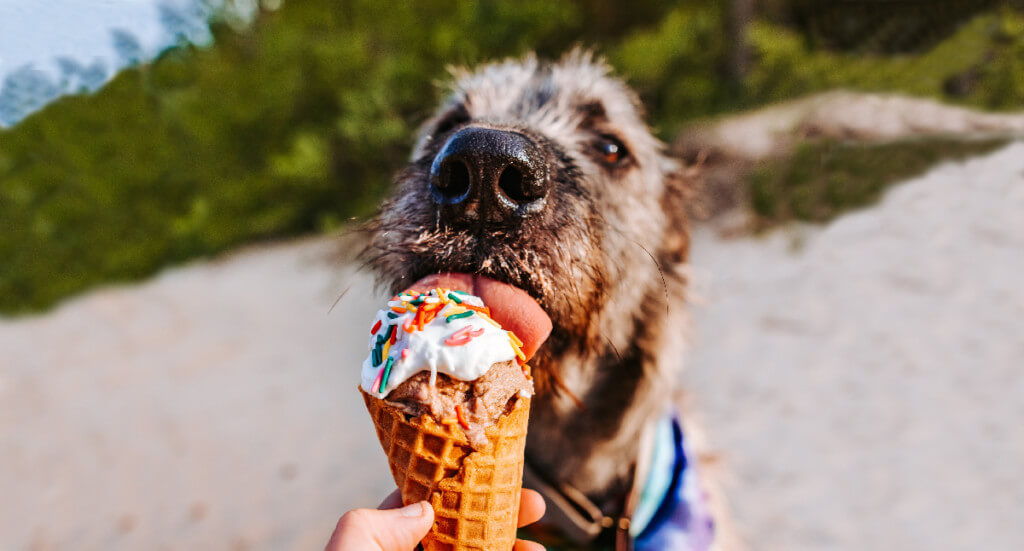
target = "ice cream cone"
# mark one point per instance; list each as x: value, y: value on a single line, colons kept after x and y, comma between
x: 474, y: 493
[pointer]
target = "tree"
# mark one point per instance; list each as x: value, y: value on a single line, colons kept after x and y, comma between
x: 25, y: 90
x: 127, y: 47
x: 185, y: 24
x: 70, y: 75
x: 94, y: 75
x: 741, y: 14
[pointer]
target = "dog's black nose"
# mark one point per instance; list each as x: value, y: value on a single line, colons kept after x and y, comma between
x: 489, y: 176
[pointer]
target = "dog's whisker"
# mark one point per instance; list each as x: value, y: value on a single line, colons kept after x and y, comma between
x: 337, y: 300
x: 661, y: 271
x: 615, y: 349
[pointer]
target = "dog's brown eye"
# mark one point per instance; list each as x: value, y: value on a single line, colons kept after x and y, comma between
x: 611, y: 150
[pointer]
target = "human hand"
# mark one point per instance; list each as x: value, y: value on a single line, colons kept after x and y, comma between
x: 391, y: 527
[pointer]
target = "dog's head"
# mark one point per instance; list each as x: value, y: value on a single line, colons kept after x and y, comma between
x: 545, y: 177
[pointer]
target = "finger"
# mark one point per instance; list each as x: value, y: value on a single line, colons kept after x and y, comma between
x: 523, y: 545
x: 393, y: 501
x: 390, y: 530
x: 531, y: 507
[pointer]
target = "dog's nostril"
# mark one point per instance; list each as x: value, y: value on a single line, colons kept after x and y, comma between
x: 454, y: 179
x: 511, y: 184
x: 520, y: 185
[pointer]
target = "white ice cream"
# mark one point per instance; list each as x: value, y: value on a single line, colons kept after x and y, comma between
x: 424, y: 350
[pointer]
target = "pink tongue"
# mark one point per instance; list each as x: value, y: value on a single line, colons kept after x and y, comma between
x: 510, y: 306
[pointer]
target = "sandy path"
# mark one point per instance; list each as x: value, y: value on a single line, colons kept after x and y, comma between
x: 865, y: 379
x: 861, y: 379
x: 211, y: 408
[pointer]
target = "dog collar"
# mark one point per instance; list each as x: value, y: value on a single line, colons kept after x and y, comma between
x: 665, y: 508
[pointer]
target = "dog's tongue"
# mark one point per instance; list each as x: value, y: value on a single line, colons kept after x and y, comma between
x: 510, y: 306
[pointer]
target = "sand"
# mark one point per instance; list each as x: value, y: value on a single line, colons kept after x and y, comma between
x: 860, y: 379
x: 214, y: 407
x: 864, y: 379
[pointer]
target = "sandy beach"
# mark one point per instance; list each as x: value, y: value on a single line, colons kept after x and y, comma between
x: 861, y: 380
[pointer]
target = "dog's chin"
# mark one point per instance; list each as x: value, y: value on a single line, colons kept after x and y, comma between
x: 510, y: 306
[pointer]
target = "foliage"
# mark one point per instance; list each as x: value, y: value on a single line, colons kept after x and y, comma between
x: 678, y: 66
x: 675, y: 66
x: 997, y: 80
x: 822, y: 179
x: 787, y: 67
x: 296, y: 122
x: 291, y: 126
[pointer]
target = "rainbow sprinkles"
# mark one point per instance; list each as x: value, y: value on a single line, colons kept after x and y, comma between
x: 440, y: 330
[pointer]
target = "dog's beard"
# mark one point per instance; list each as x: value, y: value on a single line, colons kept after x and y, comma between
x: 497, y: 256
x: 554, y: 257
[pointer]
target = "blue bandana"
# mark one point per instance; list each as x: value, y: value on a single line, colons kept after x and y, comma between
x: 673, y: 511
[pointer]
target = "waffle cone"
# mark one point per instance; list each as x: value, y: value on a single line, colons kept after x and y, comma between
x: 474, y: 493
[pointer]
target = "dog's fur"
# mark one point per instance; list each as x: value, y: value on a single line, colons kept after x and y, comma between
x: 605, y: 259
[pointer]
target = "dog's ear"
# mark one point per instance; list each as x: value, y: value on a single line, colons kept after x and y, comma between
x: 712, y: 177
x: 680, y: 200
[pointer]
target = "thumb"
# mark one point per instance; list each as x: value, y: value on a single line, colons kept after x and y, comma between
x: 390, y: 530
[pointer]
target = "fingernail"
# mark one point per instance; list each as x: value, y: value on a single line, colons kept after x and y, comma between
x: 414, y: 510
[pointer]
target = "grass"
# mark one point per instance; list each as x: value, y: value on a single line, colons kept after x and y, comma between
x: 823, y: 179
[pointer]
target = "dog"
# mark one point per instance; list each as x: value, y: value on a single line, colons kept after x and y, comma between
x: 560, y: 189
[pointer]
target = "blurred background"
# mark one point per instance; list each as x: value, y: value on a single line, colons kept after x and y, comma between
x: 177, y: 369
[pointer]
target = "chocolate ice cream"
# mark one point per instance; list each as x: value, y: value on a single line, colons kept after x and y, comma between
x: 475, y: 405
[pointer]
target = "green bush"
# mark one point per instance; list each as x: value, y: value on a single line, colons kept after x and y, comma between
x: 295, y: 124
x: 787, y: 67
x: 290, y: 127
x: 824, y: 178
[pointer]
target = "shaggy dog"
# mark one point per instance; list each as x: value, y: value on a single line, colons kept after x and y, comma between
x: 545, y: 176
